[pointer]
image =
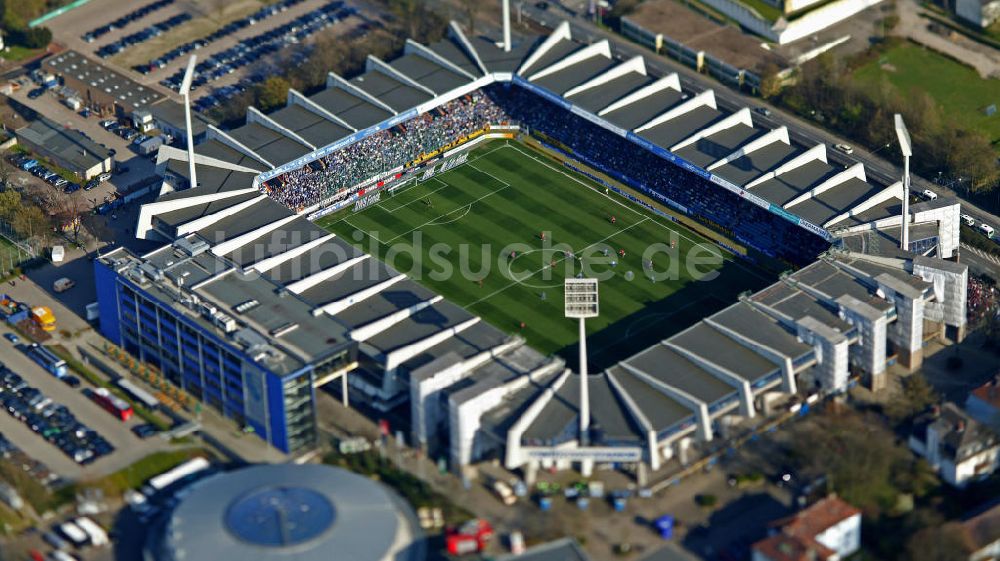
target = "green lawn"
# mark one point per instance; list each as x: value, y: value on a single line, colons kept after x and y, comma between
x: 958, y: 89
x: 506, y: 194
x: 766, y: 11
x: 17, y: 53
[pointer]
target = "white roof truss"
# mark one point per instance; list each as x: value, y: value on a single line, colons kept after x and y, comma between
x: 857, y: 171
x: 672, y: 82
x: 600, y: 48
x: 741, y: 117
x: 704, y: 99
x: 779, y: 134
x: 334, y: 81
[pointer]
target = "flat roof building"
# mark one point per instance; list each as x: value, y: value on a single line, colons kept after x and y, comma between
x: 98, y: 85
x: 66, y: 148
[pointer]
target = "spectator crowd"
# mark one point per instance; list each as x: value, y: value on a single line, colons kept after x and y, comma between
x: 386, y: 150
x: 338, y: 174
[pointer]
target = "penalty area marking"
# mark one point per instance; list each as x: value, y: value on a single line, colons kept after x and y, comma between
x: 468, y: 208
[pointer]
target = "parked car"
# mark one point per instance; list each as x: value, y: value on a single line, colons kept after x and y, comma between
x: 36, y: 93
x: 71, y: 381
x: 144, y: 431
x: 14, y: 339
x: 845, y: 148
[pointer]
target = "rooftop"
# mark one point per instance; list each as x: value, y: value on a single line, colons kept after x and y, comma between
x: 72, y: 146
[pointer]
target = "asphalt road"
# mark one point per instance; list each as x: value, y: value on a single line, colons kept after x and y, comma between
x: 800, y: 130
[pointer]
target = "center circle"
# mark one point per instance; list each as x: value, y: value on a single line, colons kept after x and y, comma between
x: 279, y: 516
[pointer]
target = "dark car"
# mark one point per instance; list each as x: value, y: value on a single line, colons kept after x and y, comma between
x: 71, y: 381
x: 14, y: 339
x: 144, y: 431
x: 36, y: 93
x: 72, y: 188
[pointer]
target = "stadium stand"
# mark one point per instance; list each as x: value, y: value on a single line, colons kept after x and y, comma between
x: 845, y: 311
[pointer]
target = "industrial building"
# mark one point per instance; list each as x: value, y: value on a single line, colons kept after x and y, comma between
x: 99, y: 86
x: 67, y: 148
x: 282, y: 511
x: 244, y: 281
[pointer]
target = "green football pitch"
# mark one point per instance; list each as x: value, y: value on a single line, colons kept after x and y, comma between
x: 498, y: 235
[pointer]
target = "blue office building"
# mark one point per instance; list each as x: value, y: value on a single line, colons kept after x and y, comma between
x: 229, y: 338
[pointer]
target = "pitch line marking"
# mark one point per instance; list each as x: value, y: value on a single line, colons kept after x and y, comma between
x: 635, y: 211
x: 404, y: 205
x: 431, y: 221
x: 533, y: 273
x: 468, y: 208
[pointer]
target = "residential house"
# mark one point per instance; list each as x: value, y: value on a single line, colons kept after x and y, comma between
x: 983, y: 404
x: 827, y: 530
x: 957, y: 446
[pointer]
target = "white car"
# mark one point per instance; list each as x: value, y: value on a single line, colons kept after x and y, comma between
x: 845, y: 148
x: 969, y: 221
x: 986, y: 230
x: 929, y: 195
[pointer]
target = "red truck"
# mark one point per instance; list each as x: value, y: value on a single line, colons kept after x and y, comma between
x: 471, y: 537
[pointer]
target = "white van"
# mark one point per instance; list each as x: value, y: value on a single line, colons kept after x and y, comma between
x: 987, y: 230
x: 929, y: 195
x: 969, y: 221
x: 63, y: 284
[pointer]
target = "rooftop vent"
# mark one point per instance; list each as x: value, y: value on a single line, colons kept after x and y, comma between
x: 191, y: 248
x: 246, y: 306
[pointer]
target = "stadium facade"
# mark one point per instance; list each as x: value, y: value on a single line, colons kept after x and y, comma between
x: 301, y: 307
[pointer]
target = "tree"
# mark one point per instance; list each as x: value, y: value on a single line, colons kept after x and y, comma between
x: 33, y: 38
x: 29, y: 221
x: 915, y: 396
x: 10, y: 201
x: 272, y: 93
x: 944, y: 542
x: 857, y: 453
x: 770, y: 81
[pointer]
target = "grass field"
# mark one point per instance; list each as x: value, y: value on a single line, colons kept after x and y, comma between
x: 959, y: 90
x: 10, y: 255
x: 508, y: 194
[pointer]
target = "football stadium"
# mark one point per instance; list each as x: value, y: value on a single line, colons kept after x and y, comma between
x: 400, y: 240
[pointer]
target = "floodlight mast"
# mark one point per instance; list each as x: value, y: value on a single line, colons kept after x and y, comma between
x: 186, y: 92
x: 581, y: 302
x: 506, y: 26
x: 906, y: 147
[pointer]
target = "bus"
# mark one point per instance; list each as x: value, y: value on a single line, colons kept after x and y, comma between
x: 47, y: 360
x: 138, y: 394
x: 181, y: 472
x: 112, y: 404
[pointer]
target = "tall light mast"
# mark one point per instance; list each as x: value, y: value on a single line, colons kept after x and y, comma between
x: 186, y: 92
x: 906, y: 147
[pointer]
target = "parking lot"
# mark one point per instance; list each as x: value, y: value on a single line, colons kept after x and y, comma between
x: 128, y: 448
x: 139, y: 167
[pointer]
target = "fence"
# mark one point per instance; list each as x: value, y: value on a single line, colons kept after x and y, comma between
x: 698, y: 60
x: 13, y: 250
